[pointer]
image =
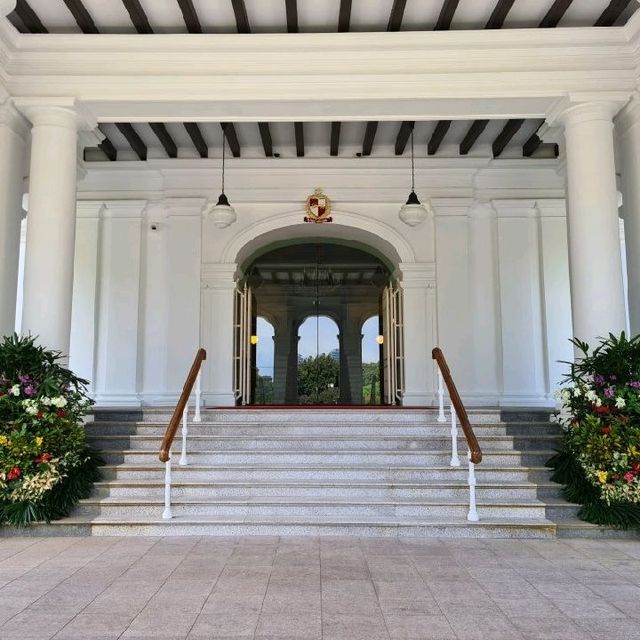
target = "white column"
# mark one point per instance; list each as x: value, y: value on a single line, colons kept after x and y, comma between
x: 418, y: 287
x: 13, y: 130
x: 48, y: 277
x: 218, y: 290
x: 628, y: 129
x: 597, y: 295
x: 485, y: 301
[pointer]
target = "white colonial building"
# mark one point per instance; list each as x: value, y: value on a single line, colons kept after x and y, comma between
x: 524, y: 121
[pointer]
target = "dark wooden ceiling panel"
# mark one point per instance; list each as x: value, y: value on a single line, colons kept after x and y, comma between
x: 81, y: 16
x: 138, y: 16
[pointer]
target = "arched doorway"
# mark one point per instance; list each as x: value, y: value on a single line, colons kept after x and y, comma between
x: 317, y: 295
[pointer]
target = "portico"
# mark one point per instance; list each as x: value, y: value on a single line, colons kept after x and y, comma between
x: 125, y: 270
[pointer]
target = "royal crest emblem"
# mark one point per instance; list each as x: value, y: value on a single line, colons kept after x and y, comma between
x: 318, y: 207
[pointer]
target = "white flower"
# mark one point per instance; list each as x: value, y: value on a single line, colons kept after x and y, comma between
x: 45, y: 400
x: 30, y: 407
x: 577, y: 392
x: 15, y: 390
x: 591, y: 395
x: 598, y: 402
x: 59, y: 402
x: 620, y: 403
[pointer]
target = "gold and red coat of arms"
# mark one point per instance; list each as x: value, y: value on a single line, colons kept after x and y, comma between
x: 318, y: 207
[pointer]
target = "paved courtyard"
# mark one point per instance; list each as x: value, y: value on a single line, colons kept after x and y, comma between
x: 312, y: 588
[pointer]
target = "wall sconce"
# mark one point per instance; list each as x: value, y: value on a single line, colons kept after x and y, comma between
x: 380, y: 339
x: 254, y: 340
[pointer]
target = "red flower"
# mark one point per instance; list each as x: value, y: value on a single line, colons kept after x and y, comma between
x: 623, y: 419
x: 39, y: 415
x: 15, y: 473
x: 45, y: 457
x: 602, y: 409
x: 629, y: 476
x: 605, y: 429
x: 636, y: 467
x: 60, y: 413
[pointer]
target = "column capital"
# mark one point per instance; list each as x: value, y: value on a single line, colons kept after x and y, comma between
x: 629, y: 115
x: 12, y: 118
x: 586, y: 108
x: 7, y: 6
x: 57, y: 112
x: 218, y: 275
x: 417, y: 275
x: 482, y: 210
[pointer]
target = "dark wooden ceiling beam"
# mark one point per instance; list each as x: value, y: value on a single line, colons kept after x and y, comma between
x: 472, y: 136
x: 190, y: 16
x: 81, y: 16
x: 369, y: 137
x: 397, y: 13
x: 613, y: 11
x: 438, y: 136
x: 165, y: 138
x: 229, y: 132
x: 265, y: 136
x: 504, y: 137
x: 531, y: 145
x: 29, y: 18
x: 499, y: 14
x: 138, y: 16
x: 344, y: 16
x: 196, y: 137
x: 403, y: 136
x: 298, y: 128
x: 134, y: 140
x: 555, y: 13
x: 334, y: 146
x: 106, y: 146
x: 291, y: 7
x: 242, y: 18
x: 446, y: 15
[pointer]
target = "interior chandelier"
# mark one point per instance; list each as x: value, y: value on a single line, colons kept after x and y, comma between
x: 222, y: 214
x: 414, y: 212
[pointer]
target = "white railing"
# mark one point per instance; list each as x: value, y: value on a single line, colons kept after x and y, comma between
x: 472, y: 514
x: 181, y: 413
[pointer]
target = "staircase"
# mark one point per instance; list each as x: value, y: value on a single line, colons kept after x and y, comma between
x: 365, y: 472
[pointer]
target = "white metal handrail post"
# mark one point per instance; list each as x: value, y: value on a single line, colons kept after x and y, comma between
x: 441, y: 416
x: 185, y: 432
x: 197, y: 417
x: 455, y: 460
x: 473, y: 511
x: 166, y: 514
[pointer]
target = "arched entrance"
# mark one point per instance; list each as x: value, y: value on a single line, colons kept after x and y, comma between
x: 317, y: 296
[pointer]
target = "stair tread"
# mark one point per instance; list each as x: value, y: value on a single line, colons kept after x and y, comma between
x: 306, y: 483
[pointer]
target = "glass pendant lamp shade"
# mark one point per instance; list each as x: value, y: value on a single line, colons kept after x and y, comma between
x: 222, y: 214
x: 413, y: 212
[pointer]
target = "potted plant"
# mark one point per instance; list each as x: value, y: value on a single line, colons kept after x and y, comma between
x: 46, y: 465
x: 599, y: 460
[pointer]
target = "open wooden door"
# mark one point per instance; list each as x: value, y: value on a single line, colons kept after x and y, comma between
x: 393, y: 344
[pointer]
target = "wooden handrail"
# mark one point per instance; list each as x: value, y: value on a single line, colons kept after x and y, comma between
x: 170, y: 433
x: 472, y: 441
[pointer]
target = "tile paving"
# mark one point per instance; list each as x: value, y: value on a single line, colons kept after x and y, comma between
x: 318, y: 589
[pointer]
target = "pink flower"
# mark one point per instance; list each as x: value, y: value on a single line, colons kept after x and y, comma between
x: 629, y: 476
x: 14, y: 474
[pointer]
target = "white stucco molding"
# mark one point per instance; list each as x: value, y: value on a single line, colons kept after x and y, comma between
x: 124, y: 209
x: 58, y: 111
x: 12, y: 118
x: 551, y: 208
x: 90, y: 209
x: 219, y: 276
x: 347, y: 225
x: 585, y: 106
x: 482, y: 210
x: 515, y: 208
x: 417, y: 275
x: 176, y: 207
x: 444, y: 207
x: 629, y: 115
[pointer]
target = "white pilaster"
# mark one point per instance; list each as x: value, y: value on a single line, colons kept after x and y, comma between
x: 13, y: 130
x: 628, y: 129
x: 418, y: 283
x: 597, y: 295
x: 218, y: 290
x: 485, y: 301
x: 48, y: 278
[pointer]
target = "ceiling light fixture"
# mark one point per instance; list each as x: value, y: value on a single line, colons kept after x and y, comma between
x: 222, y: 214
x: 414, y: 212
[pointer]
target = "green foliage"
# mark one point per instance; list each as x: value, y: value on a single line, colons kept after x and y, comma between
x: 599, y: 463
x: 46, y: 465
x: 371, y: 383
x: 264, y: 389
x: 318, y: 380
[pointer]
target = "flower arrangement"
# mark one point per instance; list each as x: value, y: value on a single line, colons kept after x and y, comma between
x: 46, y: 465
x: 599, y: 462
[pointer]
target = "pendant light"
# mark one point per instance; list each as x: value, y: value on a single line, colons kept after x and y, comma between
x: 414, y: 212
x: 222, y: 214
